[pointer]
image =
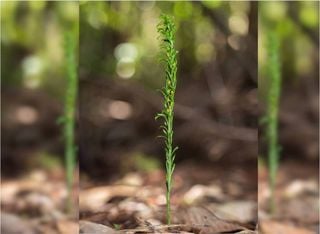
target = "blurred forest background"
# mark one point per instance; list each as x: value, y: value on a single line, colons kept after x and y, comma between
x: 297, y: 27
x: 218, y: 101
x: 217, y: 71
x: 216, y: 109
x: 33, y: 82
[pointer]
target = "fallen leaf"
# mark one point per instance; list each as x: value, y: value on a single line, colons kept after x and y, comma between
x: 273, y: 227
x: 240, y: 211
x: 12, y: 224
x: 207, y: 221
x: 87, y: 227
x: 198, y: 192
x: 94, y: 199
x: 67, y: 227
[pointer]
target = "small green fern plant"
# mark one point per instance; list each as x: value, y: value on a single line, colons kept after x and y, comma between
x: 70, y: 112
x: 166, y: 29
x: 273, y: 97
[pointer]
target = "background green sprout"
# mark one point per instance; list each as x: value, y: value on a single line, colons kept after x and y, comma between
x: 273, y: 66
x: 70, y: 111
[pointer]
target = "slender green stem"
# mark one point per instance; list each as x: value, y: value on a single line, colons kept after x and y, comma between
x: 272, y: 112
x: 69, y: 113
x: 166, y: 29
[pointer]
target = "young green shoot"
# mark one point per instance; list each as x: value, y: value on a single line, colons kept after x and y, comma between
x: 69, y: 113
x: 166, y: 29
x: 274, y: 75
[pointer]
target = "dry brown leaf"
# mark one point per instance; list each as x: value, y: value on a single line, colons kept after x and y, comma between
x: 209, y: 222
x: 240, y: 211
x: 93, y: 199
x: 13, y: 224
x: 67, y: 227
x: 273, y: 227
x: 303, y: 210
x: 247, y: 232
x: 198, y: 192
x: 87, y: 227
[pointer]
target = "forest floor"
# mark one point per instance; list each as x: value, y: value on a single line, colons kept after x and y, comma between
x: 36, y: 203
x: 206, y: 199
x: 296, y: 199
